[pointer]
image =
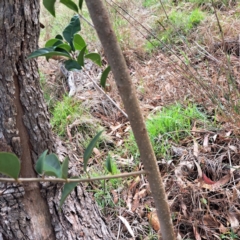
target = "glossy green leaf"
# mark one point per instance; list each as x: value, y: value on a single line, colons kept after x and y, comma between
x: 80, y: 58
x: 78, y: 42
x: 52, y: 166
x: 89, y: 150
x: 40, y: 162
x: 64, y: 47
x: 49, y: 5
x: 80, y: 3
x: 53, y: 42
x: 48, y: 52
x: 65, y: 168
x: 95, y: 57
x: 67, y: 189
x: 59, y: 37
x: 71, y: 65
x: 108, y: 164
x: 70, y: 4
x: 62, y: 50
x: 9, y: 164
x: 73, y: 27
x: 104, y: 76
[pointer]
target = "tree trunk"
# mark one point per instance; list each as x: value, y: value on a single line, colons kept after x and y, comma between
x: 31, y: 211
x: 126, y: 90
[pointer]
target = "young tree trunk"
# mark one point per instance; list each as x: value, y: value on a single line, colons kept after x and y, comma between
x: 31, y: 211
x: 120, y: 71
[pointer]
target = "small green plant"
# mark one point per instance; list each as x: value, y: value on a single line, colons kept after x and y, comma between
x: 103, y: 192
x: 183, y: 21
x: 70, y: 45
x: 47, y: 165
x: 170, y: 125
x: 229, y: 235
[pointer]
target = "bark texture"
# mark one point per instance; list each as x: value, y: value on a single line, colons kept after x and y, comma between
x: 26, y: 212
x: 120, y: 71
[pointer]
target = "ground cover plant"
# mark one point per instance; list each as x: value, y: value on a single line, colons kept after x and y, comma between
x: 168, y: 126
x: 201, y: 175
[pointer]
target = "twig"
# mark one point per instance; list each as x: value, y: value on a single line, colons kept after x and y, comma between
x: 107, y: 96
x: 230, y: 163
x: 207, y: 53
x: 86, y: 20
x: 70, y: 180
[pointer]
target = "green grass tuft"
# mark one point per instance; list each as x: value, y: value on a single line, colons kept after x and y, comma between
x: 177, y: 28
x: 64, y: 113
x: 170, y: 125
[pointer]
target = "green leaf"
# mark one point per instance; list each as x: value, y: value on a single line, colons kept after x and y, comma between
x: 73, y: 27
x: 65, y: 47
x: 89, y: 149
x: 80, y: 3
x: 52, y: 166
x: 104, y: 76
x: 70, y: 4
x: 95, y: 57
x: 80, y: 58
x: 78, y: 42
x: 108, y: 164
x: 59, y: 37
x: 71, y: 65
x: 53, y: 42
x: 48, y: 52
x: 9, y: 164
x: 65, y: 168
x: 49, y: 5
x: 40, y: 162
x: 67, y: 189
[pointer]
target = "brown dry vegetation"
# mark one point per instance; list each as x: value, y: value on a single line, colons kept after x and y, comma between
x: 203, y: 67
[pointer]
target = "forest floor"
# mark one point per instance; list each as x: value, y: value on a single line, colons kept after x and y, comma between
x: 180, y: 65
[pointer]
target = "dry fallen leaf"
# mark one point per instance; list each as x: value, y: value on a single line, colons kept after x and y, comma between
x: 127, y: 225
x: 207, y: 180
x: 233, y: 221
x: 153, y: 220
x: 115, y: 196
x: 195, y: 148
x: 96, y: 151
x: 196, y: 234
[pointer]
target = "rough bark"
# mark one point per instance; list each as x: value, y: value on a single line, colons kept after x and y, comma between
x: 26, y: 212
x: 120, y: 71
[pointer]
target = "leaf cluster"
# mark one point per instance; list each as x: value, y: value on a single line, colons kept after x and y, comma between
x: 70, y: 45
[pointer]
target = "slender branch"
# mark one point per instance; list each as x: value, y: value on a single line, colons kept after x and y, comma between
x: 89, y: 23
x: 68, y: 180
x: 123, y: 81
x: 107, y: 96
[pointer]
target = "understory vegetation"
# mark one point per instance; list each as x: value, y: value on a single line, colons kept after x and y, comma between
x: 168, y: 126
x: 183, y: 57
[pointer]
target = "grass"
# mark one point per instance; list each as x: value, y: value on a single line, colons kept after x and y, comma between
x: 70, y: 114
x: 102, y: 192
x: 149, y: 3
x: 176, y: 28
x: 64, y: 113
x: 169, y: 126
